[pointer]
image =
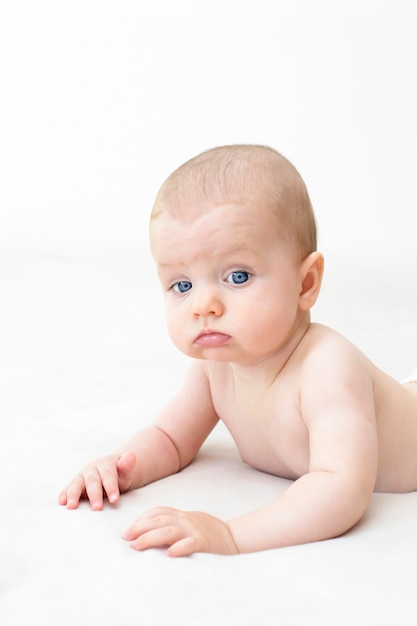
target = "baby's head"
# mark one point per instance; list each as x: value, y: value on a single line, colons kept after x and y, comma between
x: 234, y: 240
x: 237, y: 174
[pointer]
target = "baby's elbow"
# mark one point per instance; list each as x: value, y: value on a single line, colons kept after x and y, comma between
x: 353, y: 505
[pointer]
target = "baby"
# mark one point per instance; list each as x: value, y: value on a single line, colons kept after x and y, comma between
x: 233, y: 236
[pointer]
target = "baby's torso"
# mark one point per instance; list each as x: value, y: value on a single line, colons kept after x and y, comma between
x: 268, y: 427
x: 396, y: 413
x: 265, y: 424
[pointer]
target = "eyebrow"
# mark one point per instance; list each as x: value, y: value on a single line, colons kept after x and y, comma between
x: 243, y: 249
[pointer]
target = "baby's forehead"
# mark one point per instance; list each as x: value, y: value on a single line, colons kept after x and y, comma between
x: 215, y: 227
x: 254, y: 176
x: 187, y: 213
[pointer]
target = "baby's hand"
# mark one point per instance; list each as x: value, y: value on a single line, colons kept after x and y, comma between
x: 183, y: 532
x: 110, y: 475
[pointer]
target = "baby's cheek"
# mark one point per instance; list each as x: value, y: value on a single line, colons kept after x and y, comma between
x: 177, y: 331
x: 173, y: 330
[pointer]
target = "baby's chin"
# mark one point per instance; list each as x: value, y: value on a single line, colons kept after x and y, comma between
x: 219, y: 354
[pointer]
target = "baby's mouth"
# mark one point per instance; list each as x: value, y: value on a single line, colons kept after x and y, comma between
x: 211, y: 339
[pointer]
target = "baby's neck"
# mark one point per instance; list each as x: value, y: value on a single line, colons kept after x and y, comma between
x: 263, y: 373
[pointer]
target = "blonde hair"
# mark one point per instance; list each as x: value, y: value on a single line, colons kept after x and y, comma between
x: 238, y: 174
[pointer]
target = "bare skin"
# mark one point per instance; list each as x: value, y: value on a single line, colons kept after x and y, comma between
x: 300, y: 401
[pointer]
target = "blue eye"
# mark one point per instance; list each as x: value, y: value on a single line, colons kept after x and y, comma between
x: 182, y: 286
x: 238, y: 277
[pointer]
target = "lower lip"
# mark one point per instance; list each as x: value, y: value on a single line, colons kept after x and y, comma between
x: 212, y: 340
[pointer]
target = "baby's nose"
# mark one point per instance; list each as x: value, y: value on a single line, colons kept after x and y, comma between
x: 207, y: 303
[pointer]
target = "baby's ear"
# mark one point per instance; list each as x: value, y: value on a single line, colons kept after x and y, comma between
x: 311, y: 274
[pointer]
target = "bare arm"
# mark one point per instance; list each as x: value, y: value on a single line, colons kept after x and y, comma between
x: 176, y: 436
x: 338, y: 408
x: 317, y: 506
x: 164, y: 448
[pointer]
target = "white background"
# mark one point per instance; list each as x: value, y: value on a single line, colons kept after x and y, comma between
x: 101, y: 100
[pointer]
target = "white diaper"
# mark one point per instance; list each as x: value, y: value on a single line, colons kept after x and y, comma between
x: 411, y: 379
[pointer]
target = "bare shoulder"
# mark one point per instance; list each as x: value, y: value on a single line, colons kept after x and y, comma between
x: 324, y: 350
x: 327, y: 352
x: 333, y: 374
x: 339, y: 387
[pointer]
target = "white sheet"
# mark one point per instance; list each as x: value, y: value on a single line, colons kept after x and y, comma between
x: 85, y: 361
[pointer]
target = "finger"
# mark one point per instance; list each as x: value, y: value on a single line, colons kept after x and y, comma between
x: 62, y: 497
x: 73, y: 492
x: 185, y: 547
x: 125, y: 468
x: 94, y: 488
x: 158, y: 538
x: 109, y: 482
x: 126, y: 464
x: 159, y: 517
x: 156, y: 511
